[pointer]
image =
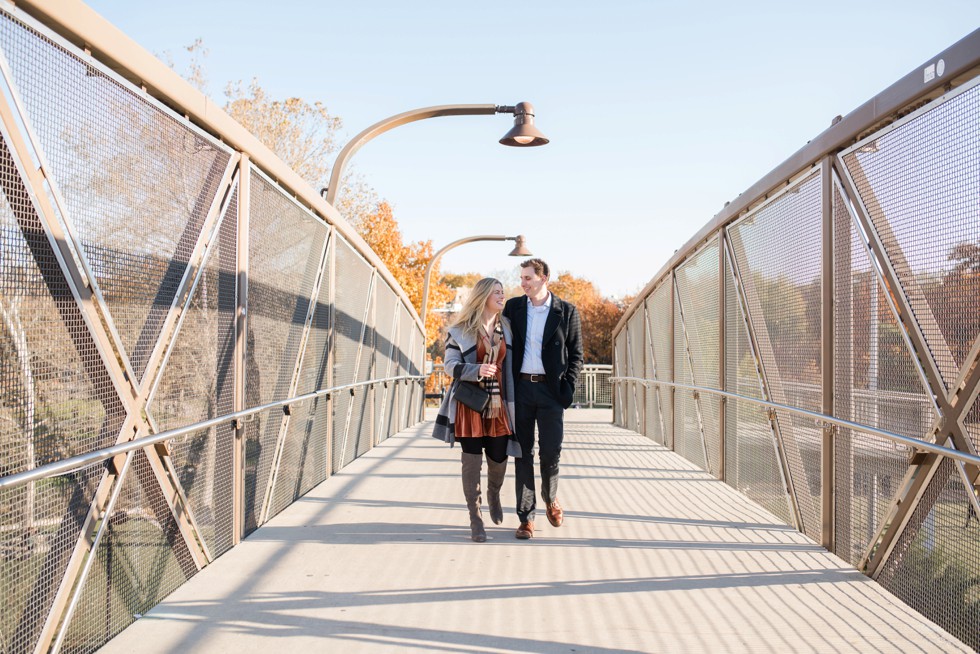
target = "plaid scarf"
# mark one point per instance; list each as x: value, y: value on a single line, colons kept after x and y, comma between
x: 491, y: 345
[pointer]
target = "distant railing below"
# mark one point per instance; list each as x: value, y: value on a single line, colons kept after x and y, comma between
x: 592, y: 390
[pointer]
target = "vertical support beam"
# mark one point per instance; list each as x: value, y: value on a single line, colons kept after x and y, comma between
x: 371, y: 394
x: 241, y: 324
x: 673, y: 372
x: 331, y: 342
x: 722, y: 349
x: 827, y: 458
x: 645, y: 342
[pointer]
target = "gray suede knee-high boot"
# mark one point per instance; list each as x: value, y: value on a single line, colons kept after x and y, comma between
x: 472, y: 469
x: 495, y: 479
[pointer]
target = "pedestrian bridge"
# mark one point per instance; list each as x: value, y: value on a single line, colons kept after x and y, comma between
x: 655, y: 555
x: 211, y: 397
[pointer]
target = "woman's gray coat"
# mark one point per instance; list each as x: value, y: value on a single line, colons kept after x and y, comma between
x: 461, y: 365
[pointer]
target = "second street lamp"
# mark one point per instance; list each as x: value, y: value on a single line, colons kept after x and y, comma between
x: 520, y: 250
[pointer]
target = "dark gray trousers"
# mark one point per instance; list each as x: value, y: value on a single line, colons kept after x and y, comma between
x: 535, y: 405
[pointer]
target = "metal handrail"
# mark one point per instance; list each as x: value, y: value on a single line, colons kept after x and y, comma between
x: 913, y: 443
x: 80, y: 461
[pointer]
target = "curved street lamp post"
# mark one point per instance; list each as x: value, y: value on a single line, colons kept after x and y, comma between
x: 520, y: 250
x: 522, y: 135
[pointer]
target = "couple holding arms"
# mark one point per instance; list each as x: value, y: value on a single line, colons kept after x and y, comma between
x: 526, y: 354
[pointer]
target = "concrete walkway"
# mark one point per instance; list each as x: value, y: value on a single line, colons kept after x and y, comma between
x: 654, y: 556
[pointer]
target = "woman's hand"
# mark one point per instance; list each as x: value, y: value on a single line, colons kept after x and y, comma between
x: 488, y: 370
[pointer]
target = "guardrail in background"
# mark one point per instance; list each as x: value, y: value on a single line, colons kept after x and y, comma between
x: 593, y: 388
x: 175, y: 307
x: 816, y: 344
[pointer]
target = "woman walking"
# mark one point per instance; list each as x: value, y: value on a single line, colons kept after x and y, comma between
x: 478, y: 353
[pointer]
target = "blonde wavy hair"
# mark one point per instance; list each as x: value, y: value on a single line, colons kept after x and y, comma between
x: 469, y: 316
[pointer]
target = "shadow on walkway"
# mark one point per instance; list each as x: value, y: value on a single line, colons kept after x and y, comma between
x: 655, y: 556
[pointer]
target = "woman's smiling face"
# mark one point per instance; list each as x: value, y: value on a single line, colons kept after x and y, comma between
x: 495, y: 301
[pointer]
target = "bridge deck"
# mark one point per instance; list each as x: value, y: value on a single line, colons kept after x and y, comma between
x: 654, y: 556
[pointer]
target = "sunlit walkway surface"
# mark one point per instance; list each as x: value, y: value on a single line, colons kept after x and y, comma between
x: 655, y: 556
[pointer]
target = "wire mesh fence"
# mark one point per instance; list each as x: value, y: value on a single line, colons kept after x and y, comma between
x: 188, y: 343
x: 845, y: 321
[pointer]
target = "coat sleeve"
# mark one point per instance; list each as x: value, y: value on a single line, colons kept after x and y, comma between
x: 454, y: 365
x: 573, y: 343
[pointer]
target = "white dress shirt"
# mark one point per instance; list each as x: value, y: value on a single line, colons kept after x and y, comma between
x: 536, y: 317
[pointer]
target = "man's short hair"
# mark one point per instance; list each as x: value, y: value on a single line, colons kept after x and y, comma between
x: 540, y: 267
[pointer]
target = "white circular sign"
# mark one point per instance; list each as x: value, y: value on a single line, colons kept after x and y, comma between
x: 940, y: 68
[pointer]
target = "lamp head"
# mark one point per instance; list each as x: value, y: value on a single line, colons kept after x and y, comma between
x: 520, y: 249
x: 524, y: 134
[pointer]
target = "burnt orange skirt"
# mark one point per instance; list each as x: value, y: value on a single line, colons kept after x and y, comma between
x: 469, y: 423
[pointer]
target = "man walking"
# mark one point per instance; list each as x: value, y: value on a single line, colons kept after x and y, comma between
x: 547, y: 360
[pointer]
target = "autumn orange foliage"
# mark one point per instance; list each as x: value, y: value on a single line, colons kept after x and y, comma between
x: 599, y: 314
x: 406, y: 262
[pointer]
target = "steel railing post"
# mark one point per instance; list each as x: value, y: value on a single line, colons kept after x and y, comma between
x: 722, y: 351
x: 827, y: 458
x: 240, y: 354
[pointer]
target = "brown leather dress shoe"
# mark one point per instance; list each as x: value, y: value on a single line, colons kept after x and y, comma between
x: 525, y: 531
x: 555, y: 515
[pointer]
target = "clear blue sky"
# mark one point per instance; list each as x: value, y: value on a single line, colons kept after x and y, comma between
x: 658, y: 112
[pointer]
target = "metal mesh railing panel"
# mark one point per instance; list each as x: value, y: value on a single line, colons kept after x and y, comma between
x: 869, y: 471
x: 404, y: 354
x: 393, y: 410
x: 877, y: 382
x: 203, y: 461
x: 659, y: 307
x: 751, y: 457
x: 919, y: 185
x: 802, y: 442
x: 603, y: 388
x: 362, y: 425
x: 352, y: 298
x: 412, y: 342
x: 261, y: 433
x: 137, y: 183
x: 637, y: 345
x: 285, y: 251
x: 778, y: 254
x: 688, y: 439
x: 314, y: 433
x: 303, y: 462
x: 741, y: 367
x: 697, y: 292
x: 623, y: 391
x: 360, y: 439
x: 142, y: 558
x: 56, y: 397
x: 618, y: 370
x: 936, y: 562
x: 654, y: 425
x: 285, y: 248
x: 39, y: 527
x: 386, y: 305
x: 314, y: 374
x: 388, y: 408
x: 197, y: 381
